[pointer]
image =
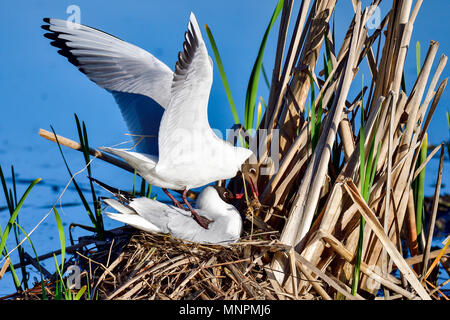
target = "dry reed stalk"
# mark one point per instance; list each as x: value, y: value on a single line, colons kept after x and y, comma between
x: 376, y: 227
x: 305, y: 202
x: 320, y: 16
x: 76, y: 146
x: 443, y: 251
x: 402, y: 178
x: 282, y: 34
x: 97, y: 154
x: 274, y: 109
x: 336, y: 284
x: 434, y: 212
x: 433, y: 254
x: 343, y: 252
x: 4, y: 267
x: 331, y: 216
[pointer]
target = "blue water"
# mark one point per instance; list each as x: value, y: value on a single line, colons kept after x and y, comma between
x: 39, y: 88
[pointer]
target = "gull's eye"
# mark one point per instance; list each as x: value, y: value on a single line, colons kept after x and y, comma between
x: 226, y: 195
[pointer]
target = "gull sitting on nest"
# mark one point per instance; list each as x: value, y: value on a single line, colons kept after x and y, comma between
x: 213, y: 204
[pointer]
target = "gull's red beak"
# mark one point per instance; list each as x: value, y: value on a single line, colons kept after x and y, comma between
x: 238, y: 196
x: 254, y: 188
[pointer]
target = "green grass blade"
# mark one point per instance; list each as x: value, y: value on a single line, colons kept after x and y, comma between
x: 133, y: 191
x: 44, y: 294
x: 6, y: 192
x: 263, y: 102
x: 266, y: 78
x: 362, y: 154
x: 403, y: 82
x: 313, y: 112
x: 13, y: 176
x: 448, y: 141
x: 13, y: 217
x: 59, y: 268
x: 80, y: 293
x: 20, y: 250
x: 250, y: 99
x: 362, y: 174
x: 11, y: 224
x: 357, y: 270
x: 328, y: 63
x: 62, y: 238
x: 81, y: 138
x: 222, y: 75
x: 11, y: 267
x: 368, y: 172
x: 418, y: 59
x: 84, y: 141
x: 149, y: 191
x: 80, y: 193
x: 420, y: 187
x: 59, y: 286
x: 142, y: 192
x: 374, y: 170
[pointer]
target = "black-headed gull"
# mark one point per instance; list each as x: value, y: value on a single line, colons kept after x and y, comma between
x: 168, y: 109
x: 153, y: 216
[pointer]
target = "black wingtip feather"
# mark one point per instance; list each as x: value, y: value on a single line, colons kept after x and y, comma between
x: 62, y: 45
x: 190, y: 44
x: 46, y: 20
x: 51, y: 36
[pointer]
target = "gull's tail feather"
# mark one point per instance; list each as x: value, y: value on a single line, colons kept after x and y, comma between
x: 128, y: 216
x: 123, y: 196
x: 139, y: 161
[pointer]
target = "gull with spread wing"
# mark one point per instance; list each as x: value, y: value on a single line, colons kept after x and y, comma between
x: 167, y: 109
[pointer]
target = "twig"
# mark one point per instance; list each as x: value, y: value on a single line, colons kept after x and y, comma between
x: 76, y: 146
x: 433, y: 214
x: 98, y: 154
x: 4, y: 267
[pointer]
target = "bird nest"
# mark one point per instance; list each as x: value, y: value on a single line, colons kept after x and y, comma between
x: 138, y: 265
x: 155, y: 266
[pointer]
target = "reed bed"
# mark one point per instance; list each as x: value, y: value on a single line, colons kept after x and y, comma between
x: 342, y: 216
x: 327, y: 195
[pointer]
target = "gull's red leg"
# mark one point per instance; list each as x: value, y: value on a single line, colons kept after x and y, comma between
x: 202, y: 221
x: 175, y: 201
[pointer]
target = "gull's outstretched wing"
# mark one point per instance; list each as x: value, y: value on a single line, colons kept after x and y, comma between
x: 187, y: 111
x: 139, y: 82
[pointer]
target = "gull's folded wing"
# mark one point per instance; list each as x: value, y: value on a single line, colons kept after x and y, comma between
x: 169, y: 219
x: 126, y: 214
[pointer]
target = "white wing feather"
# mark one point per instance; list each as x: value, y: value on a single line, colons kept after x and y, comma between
x: 139, y: 82
x: 110, y: 62
x: 187, y: 111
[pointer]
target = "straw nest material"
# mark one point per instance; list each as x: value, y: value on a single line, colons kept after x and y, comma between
x: 140, y: 266
x: 156, y: 266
